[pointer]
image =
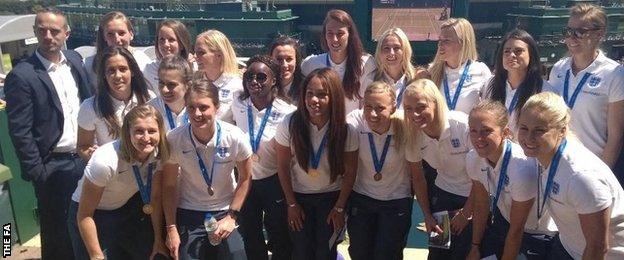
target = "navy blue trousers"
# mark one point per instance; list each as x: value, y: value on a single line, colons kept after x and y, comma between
x: 123, y: 233
x: 460, y: 244
x: 194, y: 242
x: 265, y: 206
x: 378, y: 229
x: 312, y: 242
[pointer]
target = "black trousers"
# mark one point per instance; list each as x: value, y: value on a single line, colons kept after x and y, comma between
x: 460, y: 243
x: 53, y: 198
x: 312, y: 242
x: 378, y: 229
x: 265, y: 207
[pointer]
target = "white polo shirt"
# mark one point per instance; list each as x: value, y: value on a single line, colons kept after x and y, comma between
x: 313, y: 62
x: 397, y: 85
x: 228, y: 85
x: 583, y: 184
x: 448, y: 154
x: 106, y: 169
x: 509, y: 94
x: 179, y: 119
x: 478, y: 74
x: 140, y: 57
x: 90, y: 120
x: 68, y: 94
x: 396, y: 178
x: 589, y: 114
x: 267, y: 165
x: 192, y: 188
x: 520, y: 184
x: 301, y: 181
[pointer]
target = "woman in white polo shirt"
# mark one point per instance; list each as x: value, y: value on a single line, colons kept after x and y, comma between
x: 258, y: 110
x: 504, y: 189
x: 517, y: 73
x: 591, y: 84
x: 344, y: 54
x: 380, y: 207
x: 172, y: 39
x: 455, y: 68
x: 393, y: 58
x: 443, y: 142
x: 174, y: 76
x: 199, y: 180
x: 121, y: 86
x: 111, y: 208
x: 575, y: 186
x: 216, y: 61
x: 316, y: 164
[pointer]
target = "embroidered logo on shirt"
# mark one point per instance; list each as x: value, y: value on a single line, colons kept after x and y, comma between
x: 222, y: 151
x: 555, y: 188
x: 559, y: 76
x: 275, y: 115
x: 469, y: 78
x: 455, y: 142
x: 594, y: 81
x: 225, y: 93
x: 185, y: 152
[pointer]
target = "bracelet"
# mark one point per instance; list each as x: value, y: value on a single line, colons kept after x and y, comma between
x: 339, y: 209
x: 461, y: 212
x: 292, y: 205
x: 170, y: 226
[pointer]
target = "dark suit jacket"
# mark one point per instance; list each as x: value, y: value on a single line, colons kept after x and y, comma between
x: 35, y: 113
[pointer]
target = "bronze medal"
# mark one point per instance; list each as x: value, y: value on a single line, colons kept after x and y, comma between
x: 377, y: 176
x: 210, y: 191
x: 148, y: 209
x: 255, y: 157
x: 313, y: 172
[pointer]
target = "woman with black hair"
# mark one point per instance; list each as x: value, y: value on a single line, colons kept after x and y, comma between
x: 517, y: 73
x: 285, y: 51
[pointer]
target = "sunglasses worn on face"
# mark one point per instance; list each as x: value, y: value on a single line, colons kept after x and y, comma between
x: 577, y: 32
x: 259, y: 77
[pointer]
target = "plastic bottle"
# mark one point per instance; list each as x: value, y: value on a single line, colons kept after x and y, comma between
x: 212, y: 225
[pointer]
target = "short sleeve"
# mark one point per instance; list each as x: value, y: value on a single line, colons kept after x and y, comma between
x: 616, y: 90
x: 243, y: 146
x: 282, y: 134
x: 97, y: 170
x: 472, y: 160
x: 307, y: 65
x: 524, y: 182
x: 352, y: 143
x: 589, y: 194
x: 86, y: 115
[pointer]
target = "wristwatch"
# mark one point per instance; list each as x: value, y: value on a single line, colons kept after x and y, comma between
x: 234, y: 213
x: 339, y: 209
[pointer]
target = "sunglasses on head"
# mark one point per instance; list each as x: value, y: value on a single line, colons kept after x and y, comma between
x: 259, y: 77
x: 577, y: 32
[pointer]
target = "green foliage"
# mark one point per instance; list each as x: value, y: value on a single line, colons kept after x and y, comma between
x: 8, y: 7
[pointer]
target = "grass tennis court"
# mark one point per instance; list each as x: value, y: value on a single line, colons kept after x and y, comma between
x: 420, y: 24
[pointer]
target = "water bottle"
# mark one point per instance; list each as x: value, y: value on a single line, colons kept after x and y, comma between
x: 211, y: 224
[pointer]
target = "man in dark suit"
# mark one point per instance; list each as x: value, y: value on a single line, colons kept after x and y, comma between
x: 43, y: 95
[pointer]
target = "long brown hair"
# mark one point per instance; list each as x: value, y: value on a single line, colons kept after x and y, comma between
x: 100, y: 41
x: 337, y: 128
x: 355, y: 49
x: 103, y: 104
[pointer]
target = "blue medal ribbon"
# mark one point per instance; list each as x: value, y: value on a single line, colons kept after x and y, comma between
x: 253, y: 139
x: 502, y: 176
x: 566, y: 84
x: 171, y: 119
x: 447, y: 91
x: 202, y: 165
x: 400, y: 96
x: 514, y: 101
x: 327, y: 62
x: 376, y: 160
x: 554, y: 163
x: 315, y: 157
x: 145, y: 189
